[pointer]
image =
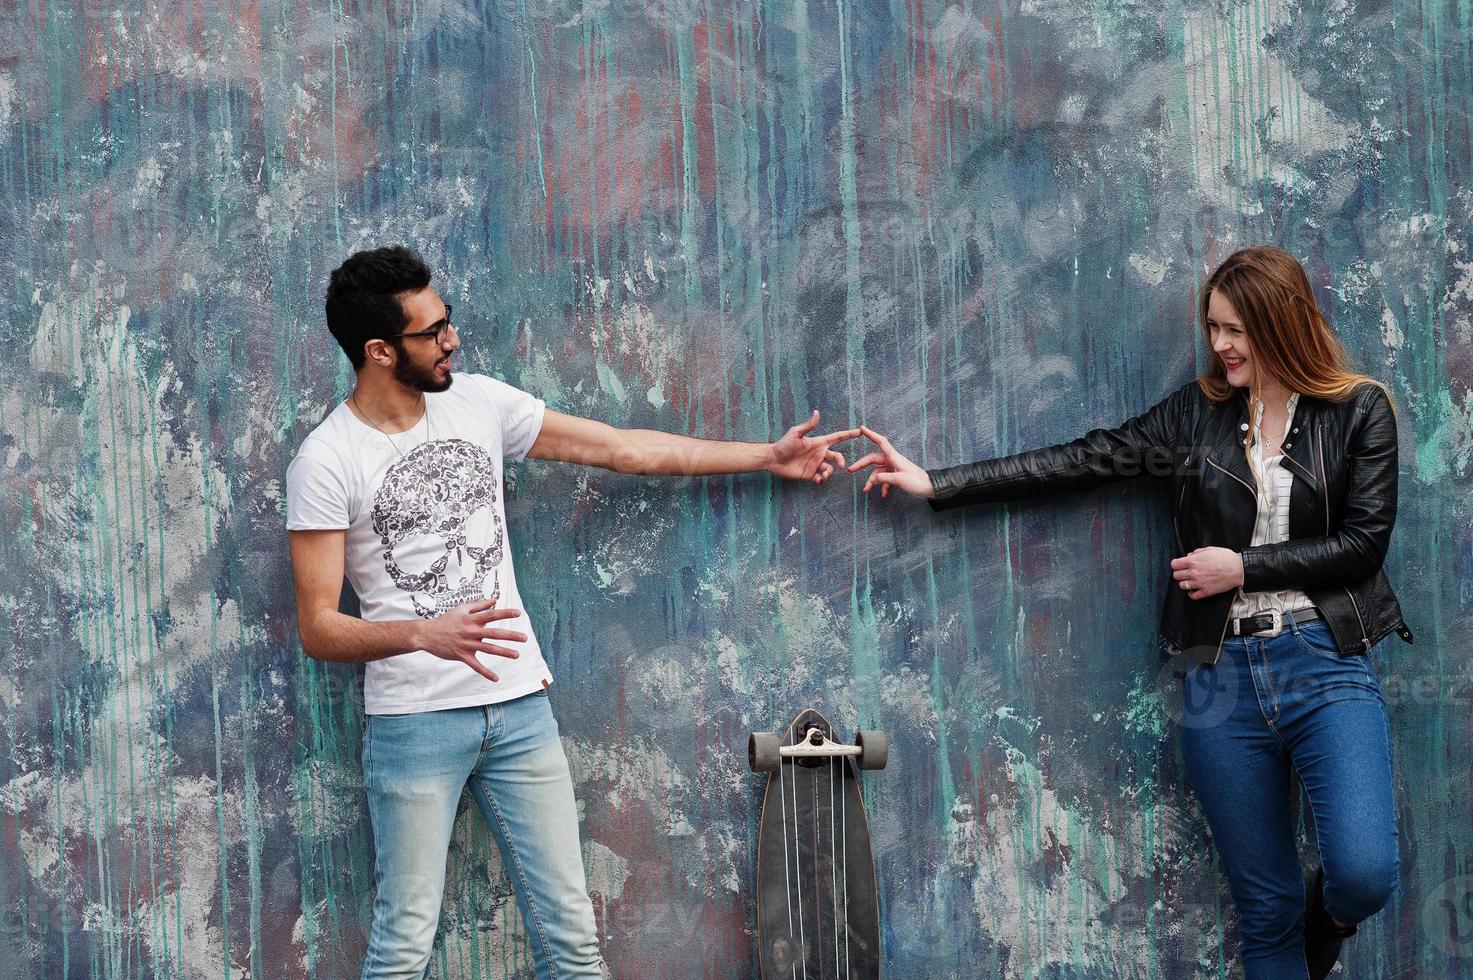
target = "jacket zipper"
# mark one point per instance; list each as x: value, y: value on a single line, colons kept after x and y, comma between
x: 1325, y: 480
x: 1236, y: 477
x: 1364, y: 642
x: 1319, y: 441
x: 1228, y: 618
x: 1223, y: 635
x: 1175, y: 526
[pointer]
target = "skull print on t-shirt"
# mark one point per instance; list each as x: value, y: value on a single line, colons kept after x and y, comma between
x: 434, y: 492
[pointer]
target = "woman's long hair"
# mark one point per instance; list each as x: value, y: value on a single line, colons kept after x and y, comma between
x: 1288, y: 336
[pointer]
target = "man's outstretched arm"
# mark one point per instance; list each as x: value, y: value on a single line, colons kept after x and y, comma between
x: 796, y: 456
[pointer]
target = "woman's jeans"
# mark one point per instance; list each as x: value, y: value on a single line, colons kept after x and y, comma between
x: 414, y: 768
x: 1266, y: 706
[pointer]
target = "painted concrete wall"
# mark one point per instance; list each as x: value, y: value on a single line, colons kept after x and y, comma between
x: 976, y: 227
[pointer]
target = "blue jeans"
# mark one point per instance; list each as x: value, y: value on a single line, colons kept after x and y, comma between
x: 1267, y: 706
x: 414, y: 768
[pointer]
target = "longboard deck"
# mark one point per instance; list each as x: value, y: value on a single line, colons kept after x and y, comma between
x: 818, y: 908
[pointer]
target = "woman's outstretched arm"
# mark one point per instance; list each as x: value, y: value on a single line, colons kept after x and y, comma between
x: 1141, y: 446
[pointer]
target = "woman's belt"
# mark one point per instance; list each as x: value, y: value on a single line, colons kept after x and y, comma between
x: 1272, y: 620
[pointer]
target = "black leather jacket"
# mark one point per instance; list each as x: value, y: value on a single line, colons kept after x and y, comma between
x: 1342, y: 503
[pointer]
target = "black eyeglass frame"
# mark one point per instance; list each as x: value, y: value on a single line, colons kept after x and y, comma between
x: 438, y: 330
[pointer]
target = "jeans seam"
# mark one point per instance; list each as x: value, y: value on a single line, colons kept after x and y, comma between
x: 485, y: 739
x: 368, y: 753
x: 516, y: 859
x: 373, y: 929
x: 1319, y: 843
x: 1273, y: 695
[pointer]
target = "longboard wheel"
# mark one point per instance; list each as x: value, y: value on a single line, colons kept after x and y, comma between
x: 874, y: 749
x: 762, y: 752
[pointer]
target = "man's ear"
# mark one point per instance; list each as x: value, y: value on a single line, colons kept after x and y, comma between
x: 368, y: 350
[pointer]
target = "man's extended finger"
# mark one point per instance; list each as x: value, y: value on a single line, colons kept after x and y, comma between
x: 805, y: 427
x: 491, y: 615
x: 510, y: 635
x: 843, y: 435
x: 871, y: 460
x: 495, y: 650
x: 470, y: 661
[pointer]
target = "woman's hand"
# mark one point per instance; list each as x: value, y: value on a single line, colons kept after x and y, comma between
x: 892, y: 469
x: 1208, y: 571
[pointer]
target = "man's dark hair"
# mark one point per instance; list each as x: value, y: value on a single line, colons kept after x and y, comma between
x: 362, y: 300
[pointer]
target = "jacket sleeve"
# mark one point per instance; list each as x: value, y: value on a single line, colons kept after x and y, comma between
x: 1358, y: 549
x: 1139, y: 446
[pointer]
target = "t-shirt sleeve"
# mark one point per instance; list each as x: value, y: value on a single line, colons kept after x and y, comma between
x: 521, y: 417
x: 316, y: 496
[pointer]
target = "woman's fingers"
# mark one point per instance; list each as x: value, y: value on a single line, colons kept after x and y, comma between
x: 884, y: 479
x: 872, y: 459
x: 874, y: 437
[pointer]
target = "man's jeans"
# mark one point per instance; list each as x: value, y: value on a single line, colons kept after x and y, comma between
x: 1266, y: 706
x: 414, y: 768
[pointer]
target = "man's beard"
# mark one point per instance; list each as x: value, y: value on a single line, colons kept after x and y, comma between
x: 410, y: 374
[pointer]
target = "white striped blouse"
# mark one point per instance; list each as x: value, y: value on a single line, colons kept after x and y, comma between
x: 1272, y: 523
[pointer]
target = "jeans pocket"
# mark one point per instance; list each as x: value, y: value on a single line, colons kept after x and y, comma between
x: 1315, y: 637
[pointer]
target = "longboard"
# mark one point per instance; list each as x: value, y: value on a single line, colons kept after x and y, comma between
x: 818, y: 906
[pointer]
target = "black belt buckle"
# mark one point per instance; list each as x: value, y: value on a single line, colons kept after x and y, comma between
x: 1275, y: 623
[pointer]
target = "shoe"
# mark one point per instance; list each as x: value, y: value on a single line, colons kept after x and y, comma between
x: 1322, y: 938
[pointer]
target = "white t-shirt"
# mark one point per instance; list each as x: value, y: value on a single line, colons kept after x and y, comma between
x: 426, y: 531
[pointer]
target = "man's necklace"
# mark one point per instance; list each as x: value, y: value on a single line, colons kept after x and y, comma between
x: 426, y: 409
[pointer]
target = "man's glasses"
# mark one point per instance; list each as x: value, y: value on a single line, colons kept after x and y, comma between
x: 439, y: 330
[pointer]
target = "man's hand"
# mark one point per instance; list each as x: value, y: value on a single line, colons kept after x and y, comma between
x: 892, y: 469
x: 462, y: 632
x: 798, y: 456
x: 1208, y: 571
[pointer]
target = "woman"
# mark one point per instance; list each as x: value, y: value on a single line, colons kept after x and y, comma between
x: 1283, y: 470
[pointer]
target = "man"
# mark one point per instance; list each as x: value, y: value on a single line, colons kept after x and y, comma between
x: 400, y: 487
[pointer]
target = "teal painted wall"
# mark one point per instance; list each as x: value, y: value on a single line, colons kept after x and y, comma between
x: 977, y: 228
